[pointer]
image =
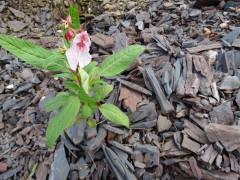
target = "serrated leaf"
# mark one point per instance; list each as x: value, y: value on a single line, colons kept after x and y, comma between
x: 71, y: 85
x: 64, y: 119
x: 119, y: 61
x: 90, y: 66
x: 84, y: 97
x: 86, y: 111
x: 84, y: 80
x: 101, y: 91
x: 57, y: 62
x: 93, y: 74
x: 25, y: 50
x: 56, y: 102
x: 98, y: 81
x: 65, y: 75
x: 114, y: 114
x: 91, y: 123
x: 73, y: 11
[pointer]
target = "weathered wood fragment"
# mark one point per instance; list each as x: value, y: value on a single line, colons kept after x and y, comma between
x: 204, y: 47
x: 135, y: 87
x: 194, y: 132
x: 202, y: 122
x: 209, y: 155
x: 166, y: 107
x: 169, y: 149
x: 190, y: 144
x: 194, y: 167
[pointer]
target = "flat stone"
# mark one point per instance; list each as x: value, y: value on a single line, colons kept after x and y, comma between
x: 163, y: 123
x: 222, y: 114
x: 41, y: 171
x: 3, y: 167
x: 143, y: 16
x: 76, y: 132
x: 194, y: 12
x: 26, y: 74
x: 139, y: 164
x: 228, y: 39
x: 60, y: 167
x: 23, y: 88
x: 103, y: 40
x: 16, y: 25
x: 17, y: 13
x: 230, y: 83
x: 8, y: 104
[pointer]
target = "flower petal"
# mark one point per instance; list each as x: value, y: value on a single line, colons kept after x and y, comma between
x: 72, y: 54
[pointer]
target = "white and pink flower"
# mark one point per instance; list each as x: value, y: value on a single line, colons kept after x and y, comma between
x: 78, y: 53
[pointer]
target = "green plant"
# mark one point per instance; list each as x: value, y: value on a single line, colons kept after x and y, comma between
x: 86, y: 88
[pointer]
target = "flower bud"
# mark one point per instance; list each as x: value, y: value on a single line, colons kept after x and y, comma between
x: 79, y: 30
x: 69, y: 19
x: 69, y: 35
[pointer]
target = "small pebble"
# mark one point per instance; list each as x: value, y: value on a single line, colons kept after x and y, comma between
x: 223, y: 25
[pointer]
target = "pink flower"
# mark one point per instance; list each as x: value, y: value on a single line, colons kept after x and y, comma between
x: 68, y: 20
x: 69, y: 35
x: 78, y: 53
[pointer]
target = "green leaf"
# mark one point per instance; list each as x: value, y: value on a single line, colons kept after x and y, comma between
x: 25, y: 50
x: 86, y: 111
x: 101, y: 91
x: 93, y: 73
x: 91, y: 123
x: 73, y: 11
x: 90, y: 66
x: 84, y: 80
x: 33, y: 170
x: 99, y: 81
x: 119, y: 61
x: 65, y: 75
x: 114, y: 114
x: 64, y: 119
x: 56, y: 102
x: 84, y: 97
x: 71, y: 85
x: 57, y: 62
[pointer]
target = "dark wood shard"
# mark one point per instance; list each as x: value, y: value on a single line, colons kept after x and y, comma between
x: 190, y: 144
x: 169, y: 149
x: 194, y: 167
x: 193, y: 82
x: 204, y: 47
x: 166, y: 107
x: 117, y: 166
x: 209, y: 155
x: 203, y: 68
x: 234, y: 163
x: 135, y: 87
x: 229, y: 136
x: 194, y: 132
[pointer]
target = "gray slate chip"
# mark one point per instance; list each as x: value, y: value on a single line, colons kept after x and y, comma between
x: 60, y: 167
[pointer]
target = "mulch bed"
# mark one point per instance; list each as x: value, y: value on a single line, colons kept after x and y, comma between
x: 181, y: 95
